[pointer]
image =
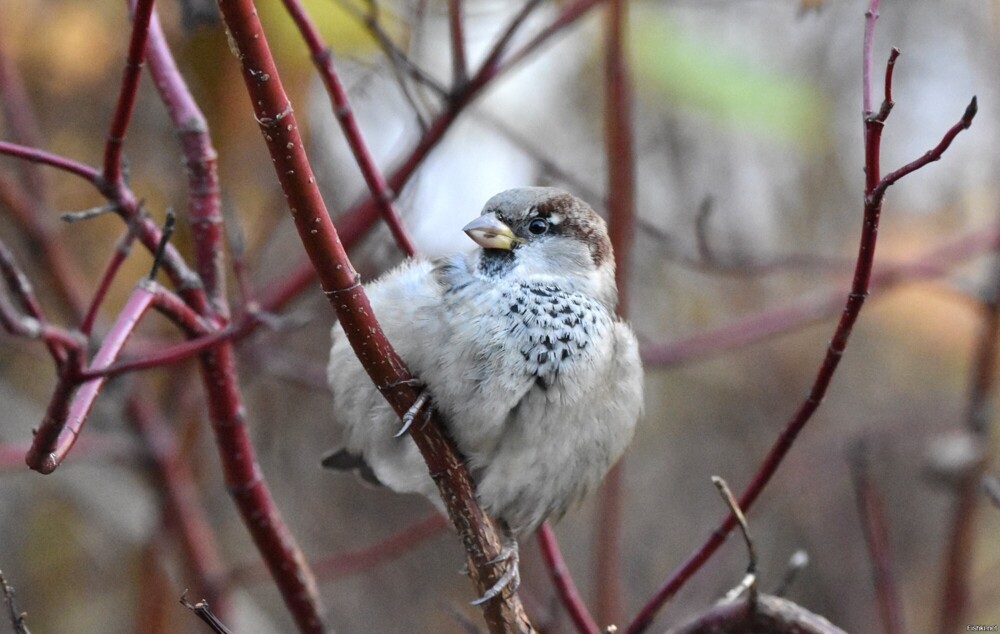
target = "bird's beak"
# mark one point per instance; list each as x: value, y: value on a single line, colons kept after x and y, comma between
x: 488, y: 232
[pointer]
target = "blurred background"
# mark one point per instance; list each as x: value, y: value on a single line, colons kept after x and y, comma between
x: 749, y: 156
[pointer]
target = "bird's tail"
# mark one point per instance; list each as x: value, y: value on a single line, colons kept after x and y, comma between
x: 344, y: 460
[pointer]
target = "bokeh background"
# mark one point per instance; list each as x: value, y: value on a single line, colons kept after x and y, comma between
x: 747, y: 119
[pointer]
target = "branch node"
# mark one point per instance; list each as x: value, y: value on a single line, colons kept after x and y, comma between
x: 270, y: 122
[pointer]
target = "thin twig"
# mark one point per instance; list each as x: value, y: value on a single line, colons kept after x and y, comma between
x: 860, y: 286
x: 164, y: 357
x: 200, y: 162
x: 118, y: 256
x: 876, y: 532
x: 621, y: 229
x: 165, y: 235
x: 21, y: 121
x: 787, y: 318
x: 749, y: 583
x: 86, y: 214
x: 355, y: 223
x: 957, y: 565
x: 934, y: 154
x: 322, y: 57
x: 34, y: 324
x: 563, y: 580
x: 27, y: 209
x: 202, y: 611
x: 181, y: 503
x: 17, y: 619
x: 459, y: 67
x: 343, y: 564
x: 34, y: 155
x: 112, y: 166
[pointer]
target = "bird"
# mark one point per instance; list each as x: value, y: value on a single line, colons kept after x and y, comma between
x: 518, y: 347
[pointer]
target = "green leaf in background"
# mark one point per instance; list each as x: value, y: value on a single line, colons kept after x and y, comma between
x: 341, y: 29
x: 699, y: 74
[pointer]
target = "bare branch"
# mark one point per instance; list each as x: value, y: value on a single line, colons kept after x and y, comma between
x: 563, y: 581
x: 112, y: 171
x: 17, y: 619
x: 860, y: 286
x: 876, y: 531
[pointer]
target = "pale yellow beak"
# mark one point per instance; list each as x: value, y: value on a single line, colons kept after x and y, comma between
x: 488, y: 232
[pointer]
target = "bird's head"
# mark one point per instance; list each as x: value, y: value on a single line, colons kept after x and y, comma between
x: 540, y: 232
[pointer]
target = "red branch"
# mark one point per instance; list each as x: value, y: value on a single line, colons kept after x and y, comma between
x: 112, y: 171
x: 322, y: 57
x: 21, y: 122
x: 459, y: 66
x: 958, y: 555
x: 340, y: 282
x: 204, y: 213
x: 563, y: 581
x: 771, y: 322
x: 343, y: 564
x: 242, y: 474
x: 28, y: 212
x: 34, y: 325
x: 121, y: 252
x: 621, y: 228
x: 57, y: 433
x: 355, y: 223
x: 130, y: 208
x: 874, y: 192
x: 876, y: 532
x: 42, y: 157
x: 182, y: 507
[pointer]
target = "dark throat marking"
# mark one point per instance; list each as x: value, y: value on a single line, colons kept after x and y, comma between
x: 496, y: 262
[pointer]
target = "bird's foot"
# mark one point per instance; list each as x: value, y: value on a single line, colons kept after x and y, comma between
x: 415, y: 410
x: 511, y: 577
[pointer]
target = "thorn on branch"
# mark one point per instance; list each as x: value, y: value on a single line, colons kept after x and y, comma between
x: 202, y: 611
x: 749, y: 582
x: 168, y: 231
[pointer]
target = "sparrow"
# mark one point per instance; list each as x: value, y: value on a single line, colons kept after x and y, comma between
x: 518, y: 347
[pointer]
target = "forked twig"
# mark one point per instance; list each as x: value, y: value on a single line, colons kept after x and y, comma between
x: 875, y: 188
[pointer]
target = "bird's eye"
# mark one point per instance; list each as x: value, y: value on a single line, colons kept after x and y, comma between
x: 538, y: 226
x: 499, y: 216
